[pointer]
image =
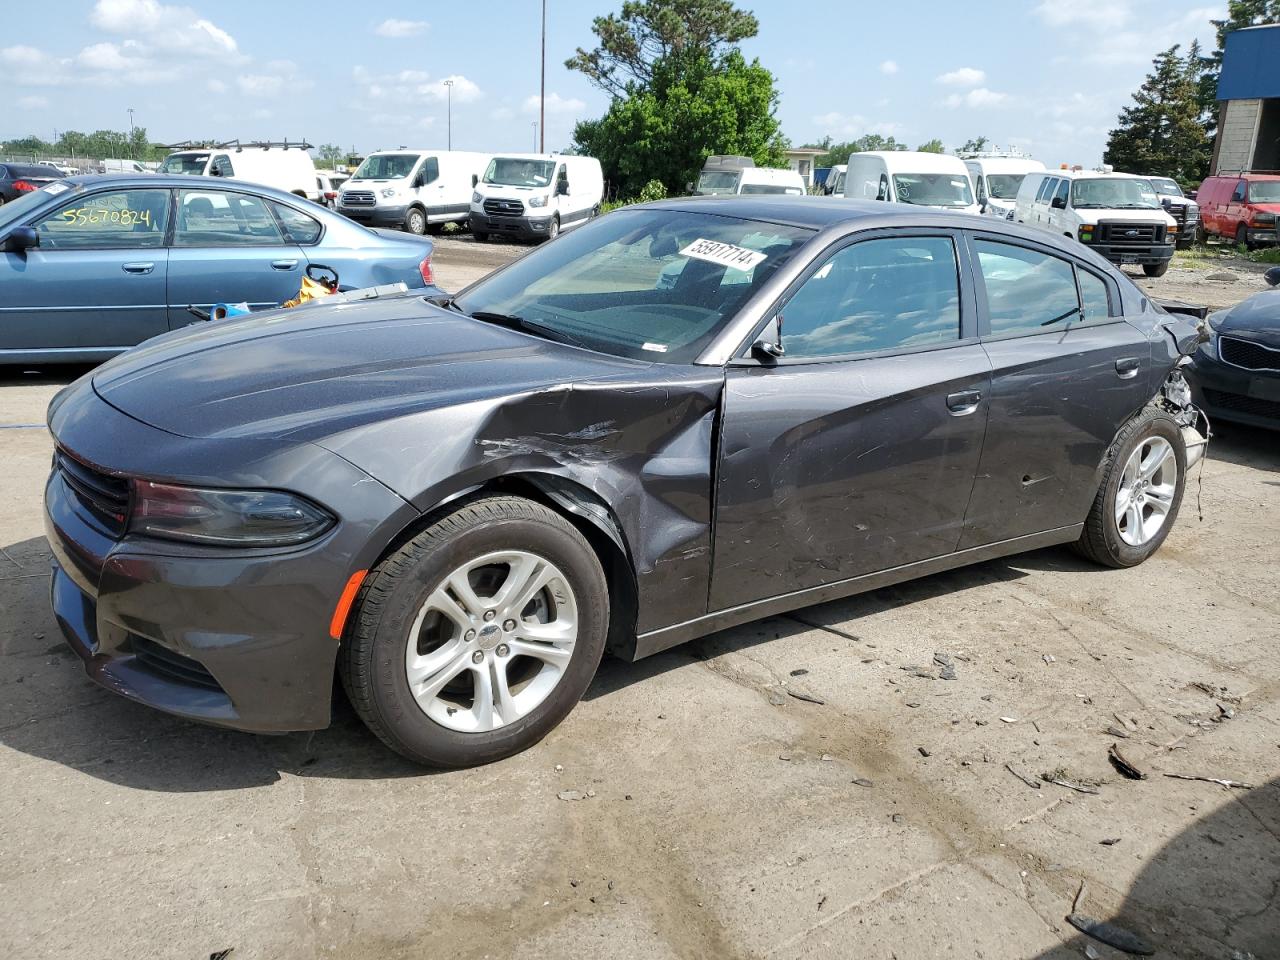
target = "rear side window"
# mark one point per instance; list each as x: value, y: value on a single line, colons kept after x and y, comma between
x: 1093, y: 297
x: 299, y: 227
x: 1027, y: 291
x: 116, y: 220
x: 213, y: 218
x: 1046, y: 185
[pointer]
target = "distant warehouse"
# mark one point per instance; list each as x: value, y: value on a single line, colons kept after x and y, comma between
x: 1249, y: 102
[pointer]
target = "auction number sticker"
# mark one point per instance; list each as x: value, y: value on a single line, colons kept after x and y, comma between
x: 82, y: 216
x: 725, y: 254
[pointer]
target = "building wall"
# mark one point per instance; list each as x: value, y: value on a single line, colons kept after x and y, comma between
x: 1237, y: 135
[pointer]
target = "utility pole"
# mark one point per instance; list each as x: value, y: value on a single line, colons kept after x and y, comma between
x: 535, y: 137
x: 130, y: 109
x: 448, y: 85
x: 542, y: 96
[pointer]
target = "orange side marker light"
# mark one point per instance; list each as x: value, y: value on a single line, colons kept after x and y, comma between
x: 339, y: 621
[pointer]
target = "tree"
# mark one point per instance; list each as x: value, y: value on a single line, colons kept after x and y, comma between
x: 681, y: 90
x: 332, y: 153
x: 1162, y: 132
x: 973, y: 145
x: 933, y: 146
x: 839, y: 152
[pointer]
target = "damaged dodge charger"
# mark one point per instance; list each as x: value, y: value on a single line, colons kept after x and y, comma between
x: 681, y: 417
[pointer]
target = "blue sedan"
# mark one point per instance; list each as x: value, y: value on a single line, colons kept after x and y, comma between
x: 90, y: 266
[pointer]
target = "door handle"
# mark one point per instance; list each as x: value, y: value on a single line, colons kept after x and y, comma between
x: 283, y: 264
x: 1127, y: 367
x: 964, y: 402
x: 138, y: 268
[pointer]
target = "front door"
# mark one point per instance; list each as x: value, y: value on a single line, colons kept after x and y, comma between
x: 97, y: 279
x: 1067, y: 373
x: 229, y: 247
x: 856, y: 451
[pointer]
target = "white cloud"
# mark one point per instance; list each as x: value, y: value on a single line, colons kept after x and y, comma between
x: 411, y: 87
x: 981, y: 97
x: 214, y: 85
x: 164, y: 28
x: 260, y: 84
x: 400, y: 28
x: 845, y: 126
x: 105, y: 56
x: 23, y: 56
x: 963, y: 77
x: 464, y: 90
x: 556, y: 104
x: 32, y: 103
x: 889, y: 67
x: 35, y: 68
x: 1097, y: 15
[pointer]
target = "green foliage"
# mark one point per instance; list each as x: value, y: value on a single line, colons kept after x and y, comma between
x: 331, y: 153
x: 1162, y: 132
x: 681, y: 90
x: 95, y: 146
x: 974, y: 145
x: 653, y: 190
x: 839, y: 152
x: 933, y: 146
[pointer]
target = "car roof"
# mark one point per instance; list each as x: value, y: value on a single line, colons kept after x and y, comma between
x: 191, y: 181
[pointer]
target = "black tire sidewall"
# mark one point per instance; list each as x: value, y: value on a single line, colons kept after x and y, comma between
x: 420, y: 737
x: 409, y: 221
x: 1122, y: 553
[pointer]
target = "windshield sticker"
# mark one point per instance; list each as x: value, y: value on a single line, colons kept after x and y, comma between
x: 55, y: 188
x: 725, y: 254
x: 654, y: 347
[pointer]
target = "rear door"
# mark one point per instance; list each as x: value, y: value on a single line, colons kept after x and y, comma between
x: 1067, y: 372
x: 97, y: 279
x: 229, y: 247
x: 856, y: 451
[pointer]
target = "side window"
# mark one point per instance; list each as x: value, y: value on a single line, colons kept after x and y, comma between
x: 431, y: 170
x: 1239, y: 194
x: 299, y: 227
x: 1093, y: 294
x: 221, y: 166
x: 120, y: 219
x: 1064, y: 188
x: 1046, y: 188
x: 1027, y: 291
x: 980, y: 187
x: 213, y: 218
x: 876, y: 295
x: 562, y: 179
x: 882, y: 191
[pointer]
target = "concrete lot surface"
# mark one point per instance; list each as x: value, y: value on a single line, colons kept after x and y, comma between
x: 720, y: 814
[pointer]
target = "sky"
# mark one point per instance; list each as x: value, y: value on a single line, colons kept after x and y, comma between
x: 1046, y: 76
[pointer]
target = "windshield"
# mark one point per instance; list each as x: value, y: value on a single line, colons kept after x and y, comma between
x: 1166, y: 186
x: 1116, y: 193
x: 386, y: 166
x: 933, y: 189
x: 28, y: 201
x: 770, y: 188
x: 1264, y: 191
x: 718, y: 183
x: 1004, y: 186
x: 186, y: 163
x: 837, y: 184
x: 515, y: 172
x: 653, y: 285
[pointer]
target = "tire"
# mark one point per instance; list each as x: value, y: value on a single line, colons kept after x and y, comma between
x: 399, y: 604
x: 415, y: 221
x: 480, y: 235
x: 1242, y: 237
x: 1201, y: 237
x: 1156, y: 269
x: 1102, y: 540
x: 595, y: 211
x: 553, y: 228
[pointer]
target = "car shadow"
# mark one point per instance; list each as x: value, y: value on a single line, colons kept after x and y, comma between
x: 1245, y: 446
x: 52, y: 374
x: 1210, y: 893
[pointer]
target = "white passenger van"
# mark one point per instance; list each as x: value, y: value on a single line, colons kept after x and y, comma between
x: 535, y: 195
x: 284, y: 165
x: 418, y: 190
x: 724, y: 176
x: 996, y: 178
x: 904, y: 176
x: 1118, y: 215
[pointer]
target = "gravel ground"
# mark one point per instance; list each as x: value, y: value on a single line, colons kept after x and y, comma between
x: 722, y: 816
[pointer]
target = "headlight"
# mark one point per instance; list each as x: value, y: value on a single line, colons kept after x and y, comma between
x: 537, y: 201
x: 476, y: 197
x: 1193, y: 212
x: 1267, y: 218
x: 388, y: 191
x: 250, y: 518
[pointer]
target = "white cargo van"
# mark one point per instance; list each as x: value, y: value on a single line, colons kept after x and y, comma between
x: 285, y: 166
x: 419, y: 190
x: 535, y: 195
x: 996, y: 178
x: 834, y: 187
x: 904, y: 176
x: 733, y: 176
x: 1116, y: 214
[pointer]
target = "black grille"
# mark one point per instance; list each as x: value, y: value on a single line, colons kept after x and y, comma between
x: 1122, y: 234
x: 1179, y: 212
x: 105, y: 496
x: 357, y: 198
x: 503, y: 208
x: 1247, y: 354
x: 171, y: 666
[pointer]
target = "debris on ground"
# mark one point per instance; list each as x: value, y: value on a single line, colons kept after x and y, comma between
x: 1104, y: 932
x: 1091, y: 952
x: 776, y: 698
x: 801, y: 672
x: 1236, y: 784
x: 1127, y: 722
x: 1109, y: 841
x: 921, y: 672
x: 1114, y: 731
x: 1222, y: 276
x: 221, y: 954
x: 822, y: 901
x: 1009, y: 719
x: 947, y: 665
x: 827, y: 758
x: 1035, y: 784
x: 896, y: 818
x: 1217, y: 692
x: 1049, y: 658
x: 862, y: 782
x: 923, y: 752
x: 575, y: 794
x: 1058, y: 778
x: 1125, y: 766
x: 806, y: 697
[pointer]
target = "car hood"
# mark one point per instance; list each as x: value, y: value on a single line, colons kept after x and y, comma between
x: 1257, y: 319
x: 1095, y: 216
x: 314, y: 371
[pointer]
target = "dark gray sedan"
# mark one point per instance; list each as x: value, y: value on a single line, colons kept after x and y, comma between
x: 1236, y: 373
x: 681, y: 417
x: 90, y: 266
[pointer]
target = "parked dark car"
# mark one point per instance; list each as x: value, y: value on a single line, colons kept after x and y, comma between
x: 1236, y: 374
x: 460, y: 504
x: 90, y: 266
x: 19, y: 179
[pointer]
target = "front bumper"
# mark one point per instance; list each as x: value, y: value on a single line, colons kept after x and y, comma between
x: 237, y: 638
x: 526, y: 227
x: 1144, y: 256
x: 1227, y: 392
x: 381, y: 215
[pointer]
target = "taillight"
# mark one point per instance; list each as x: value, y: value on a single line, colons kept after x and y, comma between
x: 425, y: 269
x: 331, y: 194
x: 24, y: 185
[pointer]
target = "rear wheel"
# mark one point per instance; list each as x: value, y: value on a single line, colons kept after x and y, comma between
x: 1141, y: 491
x: 1156, y: 269
x: 415, y: 221
x: 478, y: 636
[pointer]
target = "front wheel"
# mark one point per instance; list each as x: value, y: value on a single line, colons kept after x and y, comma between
x: 1156, y: 269
x: 478, y: 636
x: 415, y: 221
x: 1242, y: 237
x: 1141, y: 490
x: 480, y: 235
x: 553, y: 228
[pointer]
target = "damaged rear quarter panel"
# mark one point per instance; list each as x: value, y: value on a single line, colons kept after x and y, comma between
x: 644, y: 446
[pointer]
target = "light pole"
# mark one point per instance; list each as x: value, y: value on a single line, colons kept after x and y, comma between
x: 448, y: 85
x: 130, y: 109
x: 542, y: 94
x: 535, y: 137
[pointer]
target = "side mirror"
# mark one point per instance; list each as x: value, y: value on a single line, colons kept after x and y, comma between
x: 1166, y: 203
x: 474, y: 180
x: 1058, y: 203
x: 562, y: 188
x: 419, y: 181
x: 1272, y: 276
x: 768, y: 346
x: 1191, y: 194
x: 21, y: 239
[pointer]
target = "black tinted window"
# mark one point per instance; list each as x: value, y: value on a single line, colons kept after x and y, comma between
x: 1027, y: 291
x: 1064, y: 187
x: 431, y: 170
x: 876, y: 295
x: 221, y: 166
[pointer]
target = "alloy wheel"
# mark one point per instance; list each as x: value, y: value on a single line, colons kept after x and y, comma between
x: 1147, y: 490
